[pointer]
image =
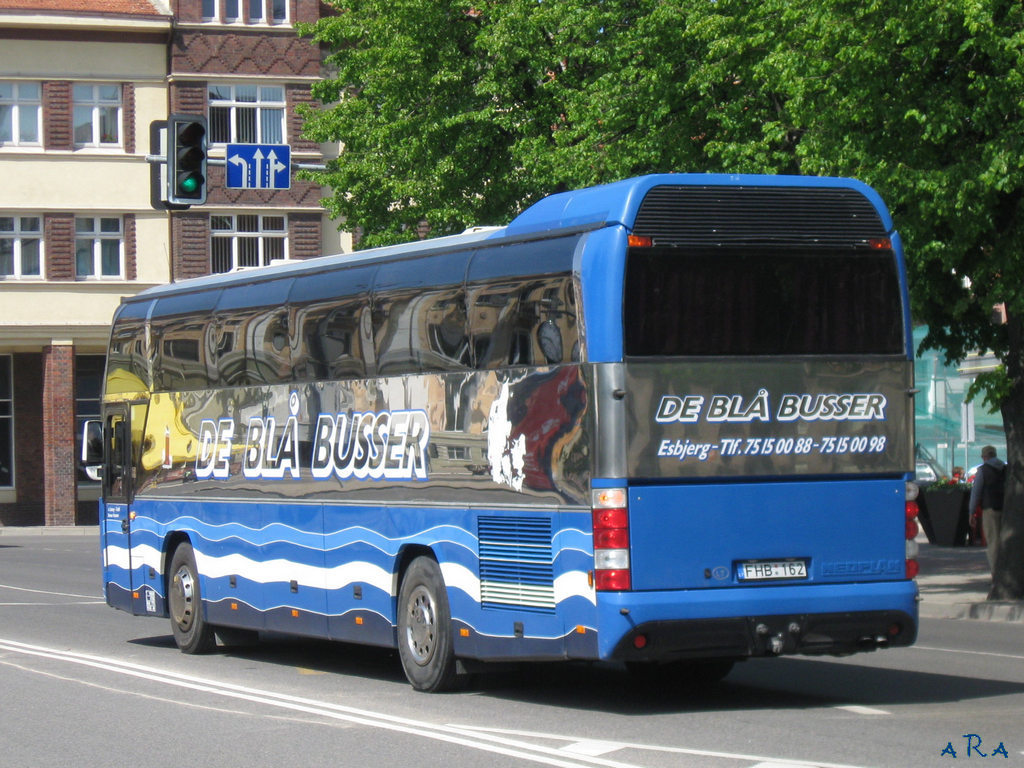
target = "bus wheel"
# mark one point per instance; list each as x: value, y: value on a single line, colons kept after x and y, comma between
x: 191, y: 632
x: 424, y: 628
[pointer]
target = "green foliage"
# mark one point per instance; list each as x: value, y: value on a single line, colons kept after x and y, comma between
x: 458, y: 113
x: 461, y: 113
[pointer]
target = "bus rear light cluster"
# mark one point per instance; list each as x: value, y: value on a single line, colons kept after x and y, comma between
x: 611, y: 540
x: 912, y: 529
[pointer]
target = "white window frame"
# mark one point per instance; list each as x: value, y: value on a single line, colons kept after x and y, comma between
x: 97, y: 104
x: 266, y: 10
x: 235, y: 104
x: 96, y: 237
x: 18, y: 103
x: 18, y: 235
x: 236, y: 233
x: 7, y: 415
x: 242, y: 11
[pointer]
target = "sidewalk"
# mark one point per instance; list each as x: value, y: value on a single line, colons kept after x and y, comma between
x: 954, y: 581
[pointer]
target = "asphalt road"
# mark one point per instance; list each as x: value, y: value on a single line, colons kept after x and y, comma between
x: 84, y: 685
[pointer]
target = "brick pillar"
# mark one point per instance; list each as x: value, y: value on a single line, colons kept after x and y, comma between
x: 59, y: 433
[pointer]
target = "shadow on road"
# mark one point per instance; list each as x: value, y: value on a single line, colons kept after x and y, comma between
x: 785, y: 683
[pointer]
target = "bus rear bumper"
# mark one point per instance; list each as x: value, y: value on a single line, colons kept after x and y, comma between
x: 815, y: 620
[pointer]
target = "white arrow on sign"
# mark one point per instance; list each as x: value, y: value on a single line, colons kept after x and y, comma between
x: 239, y: 160
x: 273, y: 168
x: 257, y: 156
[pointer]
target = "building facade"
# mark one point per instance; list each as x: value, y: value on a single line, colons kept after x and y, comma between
x: 84, y: 87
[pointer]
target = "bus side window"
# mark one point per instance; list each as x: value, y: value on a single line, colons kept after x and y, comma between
x: 127, y: 369
x: 270, y: 345
x: 492, y: 316
x: 524, y: 322
x: 227, y: 333
x: 180, y: 364
x: 419, y: 315
x: 392, y: 332
x: 441, y: 331
x: 331, y: 346
x: 329, y: 312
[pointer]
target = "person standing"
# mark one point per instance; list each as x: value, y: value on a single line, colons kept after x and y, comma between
x: 987, y: 493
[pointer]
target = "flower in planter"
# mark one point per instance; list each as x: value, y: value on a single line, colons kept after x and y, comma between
x: 949, y: 484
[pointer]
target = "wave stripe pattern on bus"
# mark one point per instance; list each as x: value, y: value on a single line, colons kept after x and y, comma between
x: 278, y: 567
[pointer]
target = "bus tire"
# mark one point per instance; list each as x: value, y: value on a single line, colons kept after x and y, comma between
x: 424, y: 628
x: 184, y: 602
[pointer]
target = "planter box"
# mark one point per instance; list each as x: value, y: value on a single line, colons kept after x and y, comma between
x: 943, y: 515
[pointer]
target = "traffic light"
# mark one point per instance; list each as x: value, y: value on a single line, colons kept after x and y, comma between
x: 186, y: 159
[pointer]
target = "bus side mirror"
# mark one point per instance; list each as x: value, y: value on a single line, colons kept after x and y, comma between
x: 92, y: 448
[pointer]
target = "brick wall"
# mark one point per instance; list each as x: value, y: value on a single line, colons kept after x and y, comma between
x: 59, y: 434
x: 128, y: 116
x: 304, y: 235
x: 59, y: 233
x: 131, y: 269
x: 190, y: 233
x: 57, y: 115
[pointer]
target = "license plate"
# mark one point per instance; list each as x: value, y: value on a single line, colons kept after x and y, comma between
x: 765, y: 570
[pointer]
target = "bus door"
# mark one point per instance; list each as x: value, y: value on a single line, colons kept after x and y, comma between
x: 116, y: 507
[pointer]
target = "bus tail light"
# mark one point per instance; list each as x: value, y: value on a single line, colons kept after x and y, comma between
x: 611, y: 540
x: 911, y: 510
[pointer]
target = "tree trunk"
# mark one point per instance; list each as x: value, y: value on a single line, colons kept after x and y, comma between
x: 1008, y: 580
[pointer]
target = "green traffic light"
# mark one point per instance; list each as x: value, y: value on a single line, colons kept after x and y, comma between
x: 189, y: 184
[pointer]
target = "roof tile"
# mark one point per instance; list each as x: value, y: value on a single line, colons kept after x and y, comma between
x: 106, y: 7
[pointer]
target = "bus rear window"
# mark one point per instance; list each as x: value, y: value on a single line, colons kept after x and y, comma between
x: 758, y: 301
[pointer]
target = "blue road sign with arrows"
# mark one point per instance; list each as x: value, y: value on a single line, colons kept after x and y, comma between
x: 259, y: 166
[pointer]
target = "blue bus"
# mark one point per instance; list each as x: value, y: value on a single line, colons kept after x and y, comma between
x: 665, y: 422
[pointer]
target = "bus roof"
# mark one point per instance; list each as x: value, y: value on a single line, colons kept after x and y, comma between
x: 611, y: 204
x: 618, y: 202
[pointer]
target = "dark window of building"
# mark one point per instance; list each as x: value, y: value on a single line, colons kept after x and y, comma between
x: 6, y: 423
x: 88, y: 385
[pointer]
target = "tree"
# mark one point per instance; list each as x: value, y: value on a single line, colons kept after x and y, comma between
x: 922, y: 101
x: 463, y: 113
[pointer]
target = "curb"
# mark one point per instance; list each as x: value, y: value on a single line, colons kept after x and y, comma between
x: 986, y: 610
x: 49, y: 530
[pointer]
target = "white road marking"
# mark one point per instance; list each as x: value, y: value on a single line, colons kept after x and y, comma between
x: 971, y: 653
x: 576, y: 752
x: 52, y: 605
x: 45, y: 592
x: 494, y: 733
x: 544, y: 755
x: 591, y: 748
x: 859, y: 709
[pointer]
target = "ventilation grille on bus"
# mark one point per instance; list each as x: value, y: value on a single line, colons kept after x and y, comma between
x: 715, y: 215
x: 515, y: 563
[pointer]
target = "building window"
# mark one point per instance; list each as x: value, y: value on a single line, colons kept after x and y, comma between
x: 21, y: 247
x: 256, y: 11
x: 88, y: 383
x: 97, y: 115
x: 246, y: 240
x: 267, y: 11
x: 99, y: 248
x: 6, y: 423
x: 20, y: 114
x: 247, y: 114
